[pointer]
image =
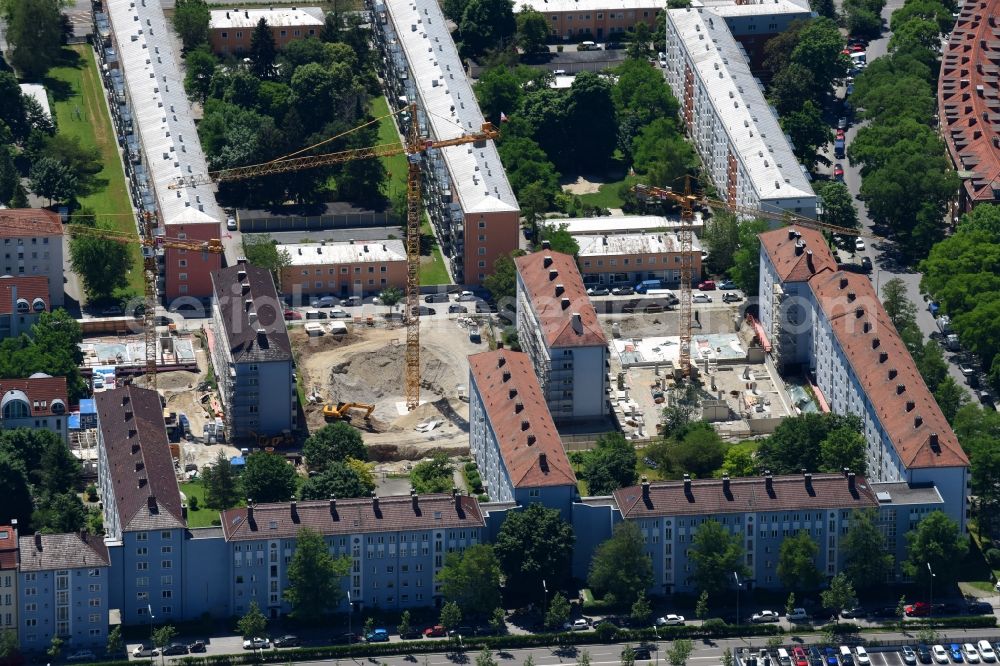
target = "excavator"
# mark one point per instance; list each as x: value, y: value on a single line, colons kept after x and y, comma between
x: 342, y: 410
x: 273, y: 441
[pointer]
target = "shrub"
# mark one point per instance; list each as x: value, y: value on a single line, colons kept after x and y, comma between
x: 993, y: 557
x: 193, y: 503
x: 92, y: 495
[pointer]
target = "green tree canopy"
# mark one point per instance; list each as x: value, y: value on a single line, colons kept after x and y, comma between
x: 471, y: 579
x: 936, y: 546
x: 102, y: 264
x: 338, y: 479
x: 34, y: 35
x: 610, y: 465
x: 620, y: 566
x: 263, y: 51
x: 797, y: 443
x: 867, y: 557
x: 797, y: 562
x: 532, y: 30
x: 842, y: 448
x: 433, y: 476
x: 53, y: 180
x: 486, y: 25
x: 314, y: 576
x: 220, y: 483
x: 533, y: 545
x: 838, y: 205
x: 716, y: 553
x: 191, y: 22
x: 840, y: 595
x: 334, y: 442
x: 268, y: 478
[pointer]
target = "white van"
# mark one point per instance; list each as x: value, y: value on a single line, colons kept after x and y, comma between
x: 783, y: 658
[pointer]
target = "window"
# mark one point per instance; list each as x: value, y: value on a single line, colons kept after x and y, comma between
x: 141, y: 552
x: 166, y: 564
x: 182, y: 276
x: 94, y: 587
x: 166, y: 580
x: 141, y: 596
x: 182, y: 263
x: 142, y: 566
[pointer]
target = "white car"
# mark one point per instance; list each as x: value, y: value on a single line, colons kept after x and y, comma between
x: 256, y: 644
x: 940, y: 654
x: 701, y: 298
x: 862, y: 655
x: 577, y: 625
x: 971, y: 653
x: 986, y: 652
x: 859, y: 244
x: 764, y: 616
x: 797, y: 615
x: 670, y: 620
x: 231, y: 223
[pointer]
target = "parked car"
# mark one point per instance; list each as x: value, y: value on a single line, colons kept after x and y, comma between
x: 670, y: 620
x: 256, y: 644
x: 197, y: 646
x: 466, y: 296
x: 797, y: 615
x: 410, y: 635
x: 799, y: 656
x: 831, y: 657
x: 701, y: 298
x: 933, y: 307
x: 436, y: 298
x: 866, y: 264
x: 940, y: 654
x: 853, y: 613
x: 986, y: 652
x: 955, y: 652
x: 979, y: 608
x: 924, y: 654
x: 143, y: 651
x: 707, y: 285
x: 626, y: 290
x: 598, y: 291
x: 287, y: 640
x: 378, y: 636
x: 292, y: 314
x: 838, y: 172
x: 971, y: 653
x: 731, y: 297
x: 455, y: 308
x: 82, y: 655
x: 437, y: 631
x: 919, y: 609
x: 815, y: 657
x: 175, y: 649
x: 842, y: 123
x: 859, y: 244
x: 908, y: 655
x: 423, y: 311
x: 727, y: 284
x: 641, y: 653
x: 862, y: 656
x: 966, y: 370
x: 579, y: 624
x: 764, y: 616
x: 231, y: 223
x: 337, y: 313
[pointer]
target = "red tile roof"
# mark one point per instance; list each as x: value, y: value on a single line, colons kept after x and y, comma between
x: 27, y: 287
x: 529, y: 443
x: 48, y: 552
x: 749, y: 494
x: 797, y: 253
x: 16, y: 222
x: 970, y: 119
x: 352, y: 516
x: 556, y: 291
x: 41, y: 388
x: 904, y: 405
x: 8, y: 547
x: 133, y: 439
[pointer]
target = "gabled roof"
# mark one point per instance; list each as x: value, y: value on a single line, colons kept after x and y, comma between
x: 352, y: 516
x: 40, y: 391
x: 797, y: 253
x: 251, y: 314
x: 16, y: 222
x: 48, y: 552
x: 8, y: 547
x: 134, y: 440
x: 745, y: 495
x: 883, y: 365
x: 557, y: 294
x: 28, y: 288
x: 529, y: 444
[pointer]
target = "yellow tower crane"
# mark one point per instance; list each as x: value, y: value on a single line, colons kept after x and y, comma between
x: 415, y: 149
x: 150, y: 244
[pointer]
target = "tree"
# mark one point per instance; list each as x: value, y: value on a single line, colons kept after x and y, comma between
x: 796, y: 442
x: 60, y: 513
x: 809, y: 133
x: 433, y: 476
x: 253, y: 624
x: 17, y: 496
x: 451, y: 615
x: 53, y: 180
x: 838, y: 205
x: 591, y: 122
x: 739, y: 460
x: 790, y: 603
x: 701, y: 452
x: 935, y: 545
x: 901, y: 310
x: 950, y: 397
x: 191, y: 22
x: 314, y: 576
x: 498, y: 90
x: 498, y: 621
x: 34, y: 35
x: 560, y: 240
x: 55, y: 647
x: 502, y: 282
x: 701, y: 607
x: 337, y: 480
x: 818, y: 50
x: 716, y: 554
x: 641, y: 609
x: 485, y: 657
x: 721, y: 237
x: 404, y: 628
x: 842, y: 448
x: 471, y: 579
x: 533, y: 545
x: 627, y: 657
x: 199, y: 67
x: 262, y: 50
x: 746, y: 260
x: 610, y: 465
x: 901, y: 611
x: 662, y: 154
x: 557, y: 614
x: 867, y: 558
x: 839, y: 595
x: 620, y: 566
x: 220, y: 483
x: 268, y: 478
x: 532, y: 30
x: 583, y: 659
x: 679, y: 651
x: 486, y: 25
x: 101, y: 263
x: 797, y: 563
x: 84, y: 163
x: 727, y: 657
x: 9, y: 177
x: 638, y: 46
x: 115, y: 642
x: 162, y: 637
x: 261, y: 251
x: 334, y: 442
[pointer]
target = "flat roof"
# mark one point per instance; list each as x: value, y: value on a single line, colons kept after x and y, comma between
x: 308, y: 254
x: 727, y: 8
x: 612, y: 224
x: 276, y: 17
x: 903, y: 493
x: 739, y: 103
x: 37, y: 92
x: 546, y: 6
x: 648, y: 243
x: 448, y: 105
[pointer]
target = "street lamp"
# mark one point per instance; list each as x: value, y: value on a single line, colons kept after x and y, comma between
x: 736, y: 577
x: 656, y: 644
x: 545, y: 599
x: 152, y: 651
x: 930, y: 605
x: 350, y: 615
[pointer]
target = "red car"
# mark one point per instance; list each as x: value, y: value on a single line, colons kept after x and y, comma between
x: 707, y: 285
x: 838, y: 172
x: 800, y: 656
x: 840, y: 134
x: 856, y: 48
x: 292, y: 314
x: 919, y: 609
x: 437, y: 631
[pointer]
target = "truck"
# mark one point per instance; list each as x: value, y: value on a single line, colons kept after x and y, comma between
x: 646, y: 285
x: 838, y: 149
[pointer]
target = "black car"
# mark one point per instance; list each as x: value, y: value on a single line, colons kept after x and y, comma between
x: 885, y: 612
x: 462, y: 631
x: 423, y: 311
x: 866, y: 264
x: 924, y: 654
x: 623, y: 291
x: 455, y: 308
x: 345, y: 639
x: 436, y: 298
x: 486, y: 630
x: 175, y: 649
x: 979, y: 608
x: 641, y: 653
x: 815, y: 657
x: 410, y: 635
x: 482, y: 307
x: 853, y: 613
x: 287, y: 641
x: 197, y: 646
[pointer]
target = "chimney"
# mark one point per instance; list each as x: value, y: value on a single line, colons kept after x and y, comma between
x: 851, y: 296
x: 645, y: 488
x: 791, y: 233
x: 725, y: 484
x: 375, y: 503
x: 687, y: 484
x: 531, y: 441
x: 883, y: 356
x: 866, y: 327
x: 809, y: 482
x: 333, y: 505
x: 892, y: 373
x: 512, y: 393
x: 576, y: 319
x: 845, y: 471
x: 293, y: 507
x: 547, y: 261
x: 843, y: 283
x: 564, y: 303
x: 553, y: 274
x: 543, y: 462
x: 518, y: 407
x: 506, y: 376
x: 249, y: 509
x: 900, y: 388
x: 241, y: 275
x: 458, y: 498
x: 809, y: 261
x: 151, y: 504
x: 859, y: 313
x: 768, y: 481
x: 560, y: 289
x: 875, y: 343
x: 141, y: 482
x: 184, y: 511
x: 850, y: 481
x: 799, y: 247
x: 501, y: 361
x: 38, y: 540
x: 546, y: 245
x: 524, y: 425
x: 910, y: 405
x: 139, y: 465
x: 918, y: 421
x: 414, y: 500
x: 935, y: 443
x: 135, y: 449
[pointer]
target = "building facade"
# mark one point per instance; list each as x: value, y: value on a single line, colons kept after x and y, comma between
x: 753, y: 22
x: 558, y: 328
x: 8, y: 578
x: 144, y: 519
x: 512, y: 436
x: 38, y: 402
x: 627, y: 259
x: 22, y: 302
x: 231, y: 30
x: 63, y: 582
x: 251, y: 353
x: 343, y: 268
x: 731, y: 125
x: 595, y: 19
x: 32, y: 245
x: 470, y: 202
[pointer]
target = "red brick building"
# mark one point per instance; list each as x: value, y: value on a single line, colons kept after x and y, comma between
x: 230, y: 30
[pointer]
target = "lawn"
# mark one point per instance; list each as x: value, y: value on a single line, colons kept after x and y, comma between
x: 77, y: 100
x: 204, y: 516
x: 606, y: 196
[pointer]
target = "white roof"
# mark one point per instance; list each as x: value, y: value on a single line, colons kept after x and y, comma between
x: 546, y: 6
x: 616, y: 244
x: 614, y: 224
x: 749, y: 121
x: 309, y: 254
x: 37, y: 91
x: 275, y: 17
x: 447, y: 102
x: 161, y: 111
x: 727, y: 8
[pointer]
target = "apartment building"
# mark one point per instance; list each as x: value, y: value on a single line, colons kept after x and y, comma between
x: 397, y: 546
x: 32, y: 245
x: 144, y: 519
x: 465, y: 188
x: 512, y: 436
x: 832, y: 324
x: 595, y: 19
x: 731, y: 125
x: 251, y: 353
x: 343, y: 268
x: 38, y: 402
x: 628, y: 224
x: 968, y: 102
x: 616, y: 259
x: 22, y: 301
x: 231, y: 30
x: 752, y: 23
x: 63, y: 587
x: 8, y: 577
x: 558, y: 328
